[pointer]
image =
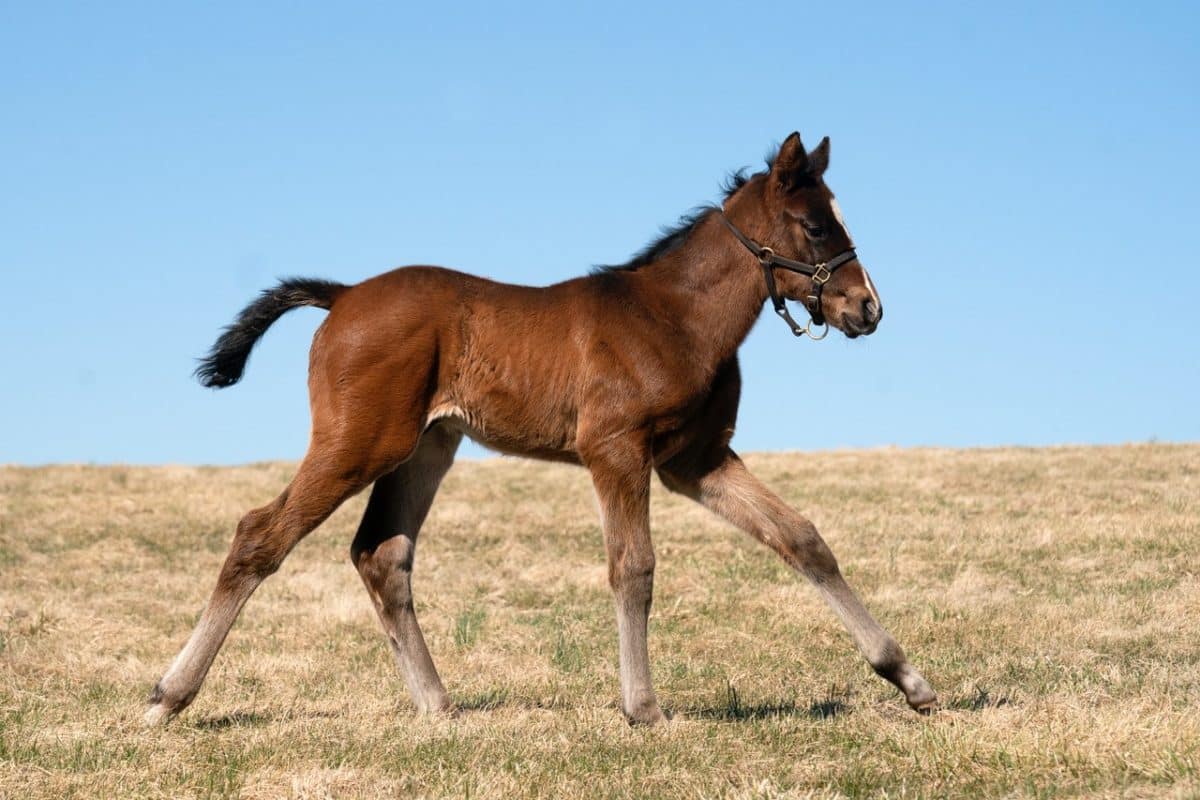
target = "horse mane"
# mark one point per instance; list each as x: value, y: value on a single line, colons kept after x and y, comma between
x: 672, y: 237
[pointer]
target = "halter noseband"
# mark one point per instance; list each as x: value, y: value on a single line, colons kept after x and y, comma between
x: 819, y: 274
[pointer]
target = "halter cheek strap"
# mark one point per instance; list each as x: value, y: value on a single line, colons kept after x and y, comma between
x: 819, y: 274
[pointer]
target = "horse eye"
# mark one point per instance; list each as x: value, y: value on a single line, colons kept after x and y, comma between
x: 814, y: 231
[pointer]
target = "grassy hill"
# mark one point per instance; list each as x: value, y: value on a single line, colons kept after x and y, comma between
x: 1052, y: 597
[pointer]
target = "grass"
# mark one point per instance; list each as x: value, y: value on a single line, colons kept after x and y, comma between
x: 1050, y: 595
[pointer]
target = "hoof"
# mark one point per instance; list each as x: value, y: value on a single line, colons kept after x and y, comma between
x: 923, y: 700
x: 925, y: 709
x: 157, y: 715
x: 917, y: 692
x: 439, y: 706
x: 647, y: 715
x: 163, y: 707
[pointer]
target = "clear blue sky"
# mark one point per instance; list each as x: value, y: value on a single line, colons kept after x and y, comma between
x: 1022, y: 180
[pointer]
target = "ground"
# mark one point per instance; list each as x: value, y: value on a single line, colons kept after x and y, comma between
x: 1050, y: 595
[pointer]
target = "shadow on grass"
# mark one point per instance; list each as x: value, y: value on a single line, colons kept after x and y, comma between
x: 730, y: 712
x: 828, y: 708
x: 254, y: 719
x: 825, y: 709
x: 978, y: 701
x: 734, y: 710
x: 238, y: 719
x: 499, y: 698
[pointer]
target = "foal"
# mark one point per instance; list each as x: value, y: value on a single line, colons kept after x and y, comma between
x: 628, y: 371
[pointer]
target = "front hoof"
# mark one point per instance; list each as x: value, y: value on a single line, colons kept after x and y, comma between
x: 924, y: 709
x: 649, y: 714
x: 922, y: 699
x: 448, y: 711
x: 163, y: 709
x: 156, y: 716
x: 917, y: 691
x: 438, y: 705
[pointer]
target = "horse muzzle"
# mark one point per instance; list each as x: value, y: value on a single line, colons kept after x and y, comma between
x: 865, y: 322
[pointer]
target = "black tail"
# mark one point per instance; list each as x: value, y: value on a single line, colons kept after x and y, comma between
x: 226, y: 360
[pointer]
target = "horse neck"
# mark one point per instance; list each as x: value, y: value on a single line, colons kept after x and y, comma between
x: 710, y: 288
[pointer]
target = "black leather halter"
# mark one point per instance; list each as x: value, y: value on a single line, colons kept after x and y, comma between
x: 819, y: 274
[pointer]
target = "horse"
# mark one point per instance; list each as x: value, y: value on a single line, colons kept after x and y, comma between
x: 627, y: 371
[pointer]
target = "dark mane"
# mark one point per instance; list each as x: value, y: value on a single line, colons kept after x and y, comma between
x: 669, y: 240
x: 672, y: 237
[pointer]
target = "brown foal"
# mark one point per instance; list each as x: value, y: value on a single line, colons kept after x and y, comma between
x: 627, y: 371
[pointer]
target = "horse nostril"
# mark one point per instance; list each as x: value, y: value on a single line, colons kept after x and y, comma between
x: 871, y: 311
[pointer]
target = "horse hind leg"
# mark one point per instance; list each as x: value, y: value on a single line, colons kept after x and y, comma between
x: 383, y: 552
x: 264, y: 538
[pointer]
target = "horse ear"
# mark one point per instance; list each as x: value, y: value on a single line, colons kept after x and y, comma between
x: 791, y: 162
x: 818, y: 159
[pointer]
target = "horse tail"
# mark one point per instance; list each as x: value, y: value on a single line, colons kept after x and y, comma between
x: 225, y: 362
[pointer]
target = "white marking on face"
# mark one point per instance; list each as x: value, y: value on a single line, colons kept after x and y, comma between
x: 871, y: 286
x: 837, y: 214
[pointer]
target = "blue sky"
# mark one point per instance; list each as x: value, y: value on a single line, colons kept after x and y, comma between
x: 1020, y: 178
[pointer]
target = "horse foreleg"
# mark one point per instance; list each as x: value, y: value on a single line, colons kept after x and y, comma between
x: 732, y: 492
x: 621, y: 477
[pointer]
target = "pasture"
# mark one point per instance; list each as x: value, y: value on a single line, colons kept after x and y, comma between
x: 1051, y: 596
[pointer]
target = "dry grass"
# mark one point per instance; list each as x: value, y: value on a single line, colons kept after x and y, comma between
x: 1050, y: 595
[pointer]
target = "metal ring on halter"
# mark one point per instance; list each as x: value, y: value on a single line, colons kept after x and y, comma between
x: 808, y: 331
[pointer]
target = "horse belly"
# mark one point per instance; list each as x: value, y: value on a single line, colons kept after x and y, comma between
x: 509, y: 431
x: 514, y: 402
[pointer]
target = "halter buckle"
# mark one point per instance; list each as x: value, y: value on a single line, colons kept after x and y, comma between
x: 765, y: 256
x: 821, y: 275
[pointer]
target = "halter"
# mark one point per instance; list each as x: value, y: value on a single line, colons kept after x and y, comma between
x: 819, y: 274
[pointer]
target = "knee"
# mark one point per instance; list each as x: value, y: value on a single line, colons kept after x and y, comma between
x: 631, y: 571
